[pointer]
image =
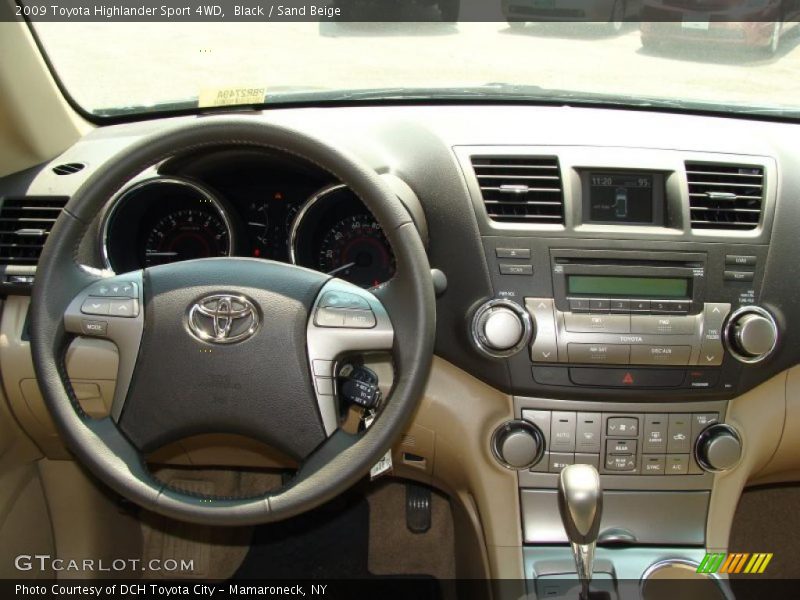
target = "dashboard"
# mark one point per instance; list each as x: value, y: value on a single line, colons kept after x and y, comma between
x: 245, y: 204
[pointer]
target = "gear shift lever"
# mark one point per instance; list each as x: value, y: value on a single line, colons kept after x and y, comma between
x: 580, y: 502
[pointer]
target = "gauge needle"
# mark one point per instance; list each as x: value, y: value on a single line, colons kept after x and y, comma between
x: 342, y: 268
x: 162, y: 253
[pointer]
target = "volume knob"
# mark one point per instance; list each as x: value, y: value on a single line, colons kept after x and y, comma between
x: 501, y: 328
x: 718, y: 448
x: 751, y: 334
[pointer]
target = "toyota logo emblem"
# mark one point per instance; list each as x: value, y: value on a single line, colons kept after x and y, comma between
x: 223, y: 319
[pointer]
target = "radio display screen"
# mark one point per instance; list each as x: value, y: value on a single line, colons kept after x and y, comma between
x: 655, y: 287
x: 621, y: 198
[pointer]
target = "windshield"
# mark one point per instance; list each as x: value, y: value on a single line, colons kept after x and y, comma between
x: 693, y: 62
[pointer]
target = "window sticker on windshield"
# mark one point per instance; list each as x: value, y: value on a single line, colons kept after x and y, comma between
x: 231, y: 96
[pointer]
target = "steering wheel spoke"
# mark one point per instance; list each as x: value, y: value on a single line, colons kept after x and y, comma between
x: 112, y: 309
x: 345, y: 319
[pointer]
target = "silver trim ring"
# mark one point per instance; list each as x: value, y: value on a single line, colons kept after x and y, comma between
x: 122, y: 196
x: 478, y: 340
x: 686, y: 563
x: 730, y: 343
x: 304, y: 210
x: 223, y: 310
x: 706, y: 435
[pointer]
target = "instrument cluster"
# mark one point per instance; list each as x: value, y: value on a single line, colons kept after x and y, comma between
x: 288, y: 218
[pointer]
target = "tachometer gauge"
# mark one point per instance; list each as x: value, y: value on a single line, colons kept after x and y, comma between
x: 355, y: 249
x: 186, y: 234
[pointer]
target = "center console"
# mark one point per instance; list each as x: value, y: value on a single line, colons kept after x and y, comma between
x: 627, y: 311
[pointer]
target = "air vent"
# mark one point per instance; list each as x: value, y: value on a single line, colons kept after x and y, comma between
x: 521, y: 189
x: 68, y: 168
x: 25, y: 224
x: 725, y: 196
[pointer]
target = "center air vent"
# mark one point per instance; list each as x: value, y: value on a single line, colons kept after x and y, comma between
x: 25, y: 224
x: 521, y: 189
x: 725, y: 196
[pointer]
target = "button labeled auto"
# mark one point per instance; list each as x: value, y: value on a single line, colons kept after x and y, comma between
x: 680, y: 433
x: 562, y: 432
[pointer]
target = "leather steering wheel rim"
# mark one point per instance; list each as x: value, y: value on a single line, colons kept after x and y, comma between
x: 343, y: 458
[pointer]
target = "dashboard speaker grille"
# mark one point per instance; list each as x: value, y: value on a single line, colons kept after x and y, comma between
x: 521, y: 189
x: 25, y: 224
x: 723, y: 196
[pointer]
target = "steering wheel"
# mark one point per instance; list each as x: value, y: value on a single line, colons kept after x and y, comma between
x: 230, y: 345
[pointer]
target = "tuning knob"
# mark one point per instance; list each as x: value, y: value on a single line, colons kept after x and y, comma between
x: 501, y: 328
x: 718, y: 448
x: 518, y: 444
x: 751, y: 334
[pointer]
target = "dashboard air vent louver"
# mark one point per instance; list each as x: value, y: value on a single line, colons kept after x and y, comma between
x: 68, y: 168
x: 723, y: 196
x: 521, y: 189
x: 25, y: 224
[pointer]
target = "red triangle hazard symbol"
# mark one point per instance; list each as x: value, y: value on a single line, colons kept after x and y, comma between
x: 628, y: 379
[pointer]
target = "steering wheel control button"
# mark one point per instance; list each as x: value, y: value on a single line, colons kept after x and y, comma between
x: 95, y: 306
x: 329, y: 317
x: 91, y: 327
x: 123, y: 308
x: 125, y: 289
x: 323, y: 368
x: 343, y: 300
x: 359, y: 319
x: 324, y: 385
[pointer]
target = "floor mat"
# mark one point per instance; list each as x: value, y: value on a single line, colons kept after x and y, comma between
x: 331, y: 542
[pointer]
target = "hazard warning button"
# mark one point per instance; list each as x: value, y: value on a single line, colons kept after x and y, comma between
x: 627, y: 378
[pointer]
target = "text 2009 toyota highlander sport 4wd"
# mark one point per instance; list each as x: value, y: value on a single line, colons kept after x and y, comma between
x: 399, y: 309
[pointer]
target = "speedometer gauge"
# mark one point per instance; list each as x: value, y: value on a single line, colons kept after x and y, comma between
x: 186, y: 234
x: 335, y: 233
x: 355, y: 248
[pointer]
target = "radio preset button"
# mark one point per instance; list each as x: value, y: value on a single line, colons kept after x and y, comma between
x: 640, y: 305
x: 617, y: 354
x: 598, y: 305
x: 660, y: 355
x: 592, y: 323
x: 579, y: 304
x: 670, y: 306
x: 619, y: 306
x: 663, y: 325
